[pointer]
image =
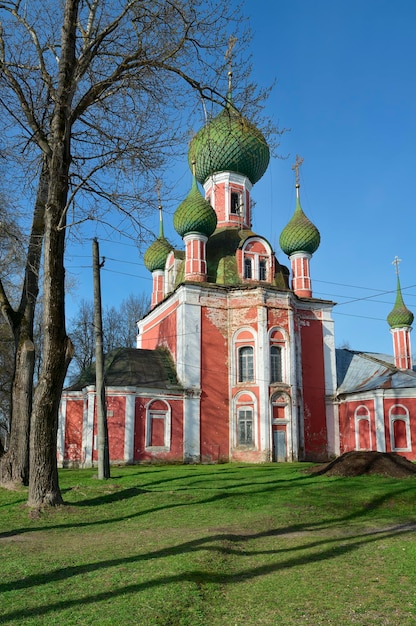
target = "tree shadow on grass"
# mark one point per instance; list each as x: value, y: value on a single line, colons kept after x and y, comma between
x: 133, y: 492
x: 222, y: 545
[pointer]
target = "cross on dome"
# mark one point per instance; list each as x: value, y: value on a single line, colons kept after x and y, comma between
x: 396, y: 261
x: 296, y: 166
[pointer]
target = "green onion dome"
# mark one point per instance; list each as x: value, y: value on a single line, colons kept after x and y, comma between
x: 299, y: 235
x: 229, y: 143
x: 156, y: 254
x: 399, y: 316
x: 195, y: 214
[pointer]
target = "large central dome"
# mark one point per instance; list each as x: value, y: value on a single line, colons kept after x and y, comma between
x: 229, y: 143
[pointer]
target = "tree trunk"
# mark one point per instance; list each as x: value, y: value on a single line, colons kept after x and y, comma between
x: 14, y: 464
x: 57, y: 347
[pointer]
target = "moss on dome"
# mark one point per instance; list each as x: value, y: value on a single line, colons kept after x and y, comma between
x: 400, y: 316
x: 156, y: 254
x: 229, y: 142
x: 195, y: 214
x: 299, y: 235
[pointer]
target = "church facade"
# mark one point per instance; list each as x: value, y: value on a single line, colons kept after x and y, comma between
x: 236, y: 360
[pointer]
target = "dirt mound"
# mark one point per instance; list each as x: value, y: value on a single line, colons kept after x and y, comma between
x: 359, y: 463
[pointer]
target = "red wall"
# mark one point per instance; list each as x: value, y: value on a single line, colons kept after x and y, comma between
x: 214, y: 399
x: 175, y: 454
x: 73, y: 431
x: 161, y: 332
x: 314, y: 391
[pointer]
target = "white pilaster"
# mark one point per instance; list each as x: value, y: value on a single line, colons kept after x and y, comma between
x: 188, y: 363
x: 61, y: 431
x: 379, y: 419
x: 332, y: 419
x: 129, y: 428
x: 263, y: 379
x: 88, y: 428
x: 296, y: 426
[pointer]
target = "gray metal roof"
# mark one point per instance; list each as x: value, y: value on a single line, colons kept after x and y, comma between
x: 365, y: 371
x: 131, y: 367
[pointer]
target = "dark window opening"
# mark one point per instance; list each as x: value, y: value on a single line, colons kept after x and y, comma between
x: 248, y: 273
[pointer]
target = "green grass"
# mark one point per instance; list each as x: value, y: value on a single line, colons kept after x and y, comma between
x: 212, y: 545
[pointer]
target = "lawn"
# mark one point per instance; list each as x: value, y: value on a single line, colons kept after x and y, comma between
x: 225, y: 545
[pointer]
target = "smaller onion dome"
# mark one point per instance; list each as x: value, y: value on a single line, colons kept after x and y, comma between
x: 157, y: 253
x: 399, y: 316
x: 299, y: 235
x: 195, y: 214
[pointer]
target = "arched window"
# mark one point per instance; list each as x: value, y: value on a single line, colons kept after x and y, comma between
x: 399, y: 428
x: 158, y: 425
x: 245, y: 364
x: 248, y: 268
x: 257, y: 253
x: 363, y: 434
x: 277, y: 356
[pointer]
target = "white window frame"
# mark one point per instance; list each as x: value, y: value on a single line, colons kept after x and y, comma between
x: 404, y: 417
x: 357, y: 419
x: 158, y: 414
x: 243, y: 406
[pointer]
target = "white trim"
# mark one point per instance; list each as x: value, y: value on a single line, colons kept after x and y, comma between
x: 379, y: 419
x: 166, y: 415
x: 88, y: 427
x: 191, y: 429
x: 129, y: 427
x: 263, y: 379
x: 404, y: 418
x: 330, y: 372
x: 234, y: 421
x: 365, y: 418
x: 61, y: 430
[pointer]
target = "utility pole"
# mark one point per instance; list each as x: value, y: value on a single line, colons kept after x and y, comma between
x: 102, y: 431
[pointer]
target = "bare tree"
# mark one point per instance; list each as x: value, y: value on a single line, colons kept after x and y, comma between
x: 97, y: 90
x: 14, y: 464
x: 119, y: 329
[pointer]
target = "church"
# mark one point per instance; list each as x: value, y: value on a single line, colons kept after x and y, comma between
x: 236, y: 360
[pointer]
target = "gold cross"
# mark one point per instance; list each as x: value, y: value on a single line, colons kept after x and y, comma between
x: 296, y: 166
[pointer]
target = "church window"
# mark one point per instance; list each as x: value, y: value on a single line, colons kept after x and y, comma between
x: 158, y: 425
x: 246, y: 364
x: 248, y: 271
x: 399, y: 428
x: 277, y: 356
x: 245, y: 427
x: 236, y: 203
x: 363, y: 434
x: 262, y: 269
x: 275, y: 364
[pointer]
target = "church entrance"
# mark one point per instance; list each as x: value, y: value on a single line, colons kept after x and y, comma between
x: 279, y: 446
x: 280, y: 421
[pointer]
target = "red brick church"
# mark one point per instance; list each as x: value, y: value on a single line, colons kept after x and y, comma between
x: 236, y: 361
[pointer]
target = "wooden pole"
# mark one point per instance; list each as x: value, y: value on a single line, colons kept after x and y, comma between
x: 102, y: 431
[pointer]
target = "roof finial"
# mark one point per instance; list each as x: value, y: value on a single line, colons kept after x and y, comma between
x: 158, y: 188
x: 396, y: 261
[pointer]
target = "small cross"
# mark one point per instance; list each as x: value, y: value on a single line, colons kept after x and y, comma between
x: 298, y: 163
x: 229, y: 52
x: 396, y: 262
x: 158, y: 187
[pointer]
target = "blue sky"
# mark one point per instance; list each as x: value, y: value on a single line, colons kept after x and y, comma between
x: 346, y: 89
